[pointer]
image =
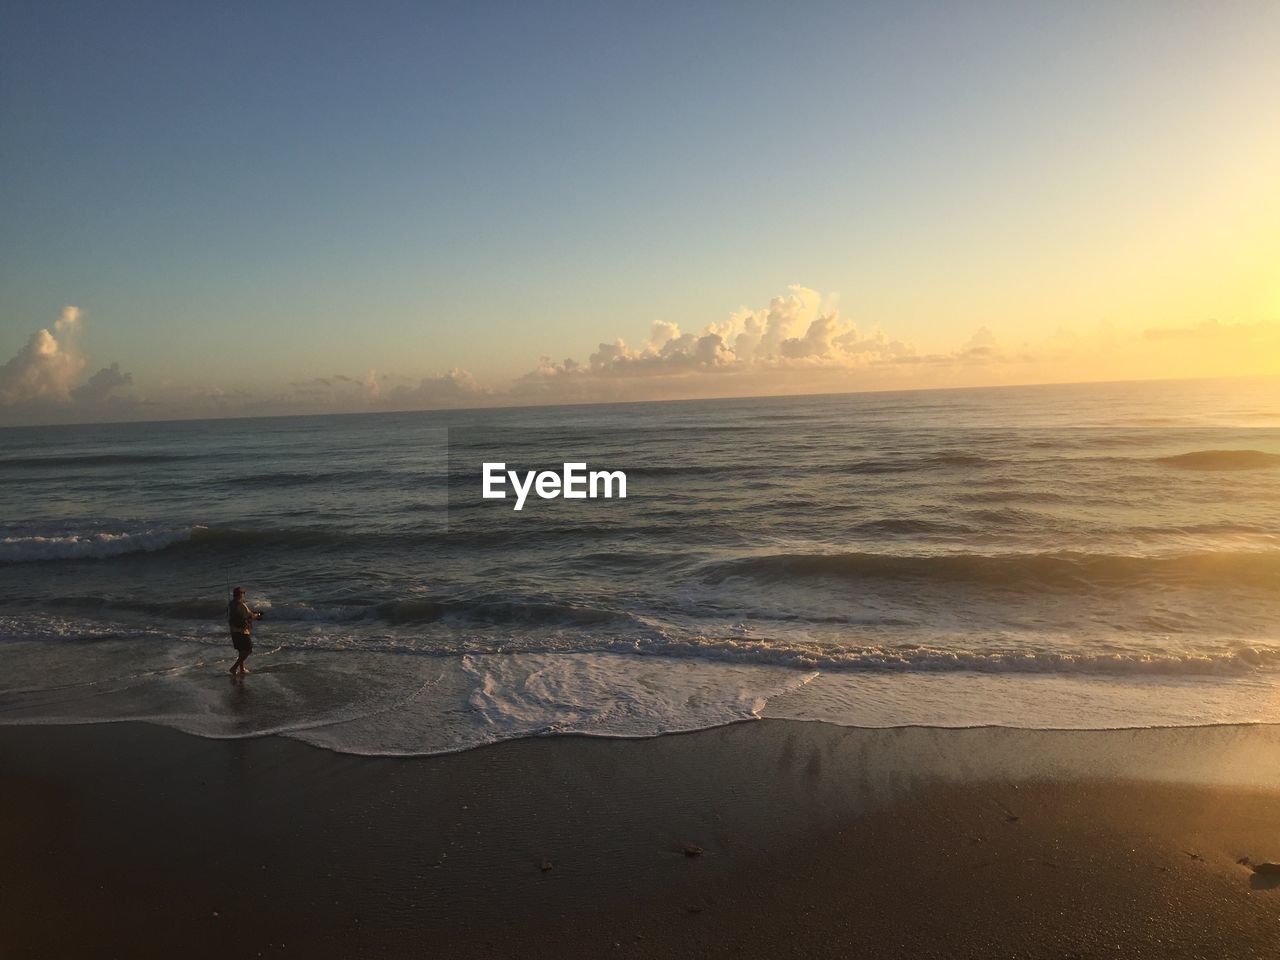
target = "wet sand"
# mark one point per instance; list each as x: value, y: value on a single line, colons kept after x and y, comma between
x: 764, y: 839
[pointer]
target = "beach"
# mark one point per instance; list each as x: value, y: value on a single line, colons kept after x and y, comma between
x: 556, y: 481
x: 888, y: 688
x: 762, y: 839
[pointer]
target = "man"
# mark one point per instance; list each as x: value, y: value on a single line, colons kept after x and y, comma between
x: 241, y: 617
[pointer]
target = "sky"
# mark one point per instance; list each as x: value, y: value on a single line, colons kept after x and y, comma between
x: 240, y: 208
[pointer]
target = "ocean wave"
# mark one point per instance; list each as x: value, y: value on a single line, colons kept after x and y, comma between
x: 215, y: 609
x: 1222, y: 460
x: 702, y: 470
x: 1008, y: 516
x: 885, y: 464
x: 197, y: 608
x: 310, y: 536
x: 284, y: 478
x: 832, y: 657
x: 93, y: 460
x: 843, y: 658
x: 1011, y: 570
x: 955, y: 459
x: 943, y: 459
x: 1039, y: 497
x: 495, y: 612
x: 102, y: 540
x: 87, y: 544
x: 618, y: 634
x: 487, y: 611
x: 912, y: 525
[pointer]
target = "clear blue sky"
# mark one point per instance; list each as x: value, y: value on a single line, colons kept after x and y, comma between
x: 322, y: 187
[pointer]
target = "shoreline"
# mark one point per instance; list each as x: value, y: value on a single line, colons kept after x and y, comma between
x: 1199, y: 760
x: 771, y: 838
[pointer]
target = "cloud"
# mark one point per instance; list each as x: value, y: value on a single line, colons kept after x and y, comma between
x: 46, y: 369
x: 791, y: 332
x: 68, y: 321
x: 99, y: 386
x: 1216, y: 330
x: 44, y: 383
x: 456, y: 388
x: 798, y: 343
x: 372, y: 392
x: 337, y: 392
x: 41, y: 382
x: 980, y: 349
x: 793, y: 344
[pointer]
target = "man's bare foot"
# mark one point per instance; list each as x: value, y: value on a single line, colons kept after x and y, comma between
x: 233, y: 671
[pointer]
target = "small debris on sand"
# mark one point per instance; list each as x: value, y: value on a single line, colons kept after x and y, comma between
x: 1009, y: 815
x: 545, y: 865
x: 692, y: 850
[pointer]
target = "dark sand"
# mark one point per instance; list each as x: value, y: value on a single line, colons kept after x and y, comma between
x: 128, y: 840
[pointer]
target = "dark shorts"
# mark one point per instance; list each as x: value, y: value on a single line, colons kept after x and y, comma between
x: 243, y: 642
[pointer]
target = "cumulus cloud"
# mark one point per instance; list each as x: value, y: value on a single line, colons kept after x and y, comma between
x: 457, y: 388
x: 42, y: 380
x: 69, y: 320
x: 798, y: 343
x: 98, y: 387
x: 46, y: 369
x: 794, y: 342
x: 45, y: 383
x: 792, y: 332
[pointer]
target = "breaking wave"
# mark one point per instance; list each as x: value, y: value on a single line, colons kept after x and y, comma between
x: 87, y: 545
x: 493, y: 611
x: 1011, y: 570
x: 938, y: 656
x: 92, y: 544
x: 815, y: 656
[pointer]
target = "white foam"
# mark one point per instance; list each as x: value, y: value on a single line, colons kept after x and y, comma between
x: 395, y: 700
x: 1030, y: 701
x: 306, y: 613
x: 95, y: 544
x: 484, y: 699
x: 1244, y: 658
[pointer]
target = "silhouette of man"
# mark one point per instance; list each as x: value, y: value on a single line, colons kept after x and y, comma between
x: 241, y: 618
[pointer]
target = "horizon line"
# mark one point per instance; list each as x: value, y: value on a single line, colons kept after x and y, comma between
x: 646, y: 400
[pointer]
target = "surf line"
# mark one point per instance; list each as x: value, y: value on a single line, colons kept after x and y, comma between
x: 573, y: 482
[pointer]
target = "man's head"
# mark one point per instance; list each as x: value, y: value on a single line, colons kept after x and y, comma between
x: 238, y: 593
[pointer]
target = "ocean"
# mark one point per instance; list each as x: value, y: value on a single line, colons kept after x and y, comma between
x: 1079, y: 556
